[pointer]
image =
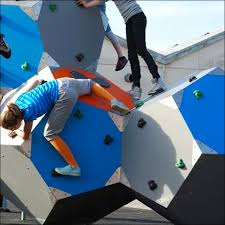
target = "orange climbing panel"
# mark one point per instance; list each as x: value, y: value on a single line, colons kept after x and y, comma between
x: 93, y: 100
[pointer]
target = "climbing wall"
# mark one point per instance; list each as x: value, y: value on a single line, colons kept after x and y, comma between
x: 36, y: 33
x: 169, y: 153
x: 182, y: 129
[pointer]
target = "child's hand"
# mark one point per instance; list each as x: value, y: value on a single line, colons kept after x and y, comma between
x: 12, y: 134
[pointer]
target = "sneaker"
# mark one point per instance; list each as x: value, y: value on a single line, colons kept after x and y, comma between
x: 68, y: 171
x: 128, y: 78
x: 5, y: 51
x: 121, y: 63
x: 135, y: 93
x: 119, y: 107
x: 157, y: 84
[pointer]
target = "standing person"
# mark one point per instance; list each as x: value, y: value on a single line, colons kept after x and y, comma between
x: 59, y: 97
x: 136, y: 22
x: 122, y: 60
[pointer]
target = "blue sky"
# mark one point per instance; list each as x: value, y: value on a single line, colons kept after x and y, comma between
x: 173, y: 22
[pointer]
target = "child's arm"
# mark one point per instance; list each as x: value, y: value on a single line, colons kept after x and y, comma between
x: 27, y: 130
x: 89, y: 4
x: 25, y: 133
x: 32, y: 84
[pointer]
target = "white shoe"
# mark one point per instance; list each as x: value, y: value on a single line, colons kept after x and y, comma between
x: 135, y: 93
x: 157, y: 84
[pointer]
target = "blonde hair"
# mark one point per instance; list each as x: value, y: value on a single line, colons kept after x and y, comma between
x: 10, y: 117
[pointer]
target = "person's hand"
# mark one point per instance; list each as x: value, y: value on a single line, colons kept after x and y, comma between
x: 82, y: 3
x: 12, y: 134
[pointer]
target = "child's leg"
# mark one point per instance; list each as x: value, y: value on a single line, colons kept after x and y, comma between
x: 56, y: 121
x: 113, y: 39
x: 122, y: 60
x: 101, y: 92
x: 115, y: 104
x: 64, y: 150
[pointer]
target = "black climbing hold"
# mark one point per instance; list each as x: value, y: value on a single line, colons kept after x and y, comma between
x: 55, y: 174
x: 79, y: 57
x: 13, y: 134
x: 141, y: 123
x: 108, y: 140
x: 81, y: 5
x: 192, y: 78
x: 43, y: 81
x: 78, y: 114
x: 78, y: 75
x: 152, y: 185
x: 102, y: 82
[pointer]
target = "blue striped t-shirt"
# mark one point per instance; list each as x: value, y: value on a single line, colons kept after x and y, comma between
x: 38, y: 101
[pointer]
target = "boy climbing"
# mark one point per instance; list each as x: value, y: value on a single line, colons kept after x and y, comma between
x: 57, y: 97
x: 136, y: 22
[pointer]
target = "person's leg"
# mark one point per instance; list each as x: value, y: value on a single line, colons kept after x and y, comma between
x: 64, y: 150
x: 115, y: 104
x: 55, y: 124
x: 132, y: 54
x: 115, y: 42
x: 122, y: 60
x: 136, y: 90
x: 139, y: 27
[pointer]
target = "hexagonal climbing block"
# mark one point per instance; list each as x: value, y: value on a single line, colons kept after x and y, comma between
x: 76, y: 45
x: 23, y: 37
x: 181, y: 131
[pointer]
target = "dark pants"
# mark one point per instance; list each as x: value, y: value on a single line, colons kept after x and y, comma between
x: 1, y: 201
x: 135, y: 31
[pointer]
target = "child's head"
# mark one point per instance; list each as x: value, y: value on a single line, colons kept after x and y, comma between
x: 11, y: 118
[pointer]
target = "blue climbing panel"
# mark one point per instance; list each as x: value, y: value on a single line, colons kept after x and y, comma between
x: 205, y: 117
x: 85, y: 137
x: 23, y: 36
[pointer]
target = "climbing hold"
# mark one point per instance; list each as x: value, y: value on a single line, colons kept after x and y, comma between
x: 102, y: 82
x: 108, y: 140
x: 55, y: 174
x: 139, y: 104
x: 180, y: 164
x: 79, y: 4
x: 13, y: 134
x: 78, y: 114
x: 141, y: 123
x: 52, y: 7
x: 43, y: 81
x: 25, y: 66
x: 79, y: 57
x: 198, y: 94
x: 152, y: 185
x: 192, y: 79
